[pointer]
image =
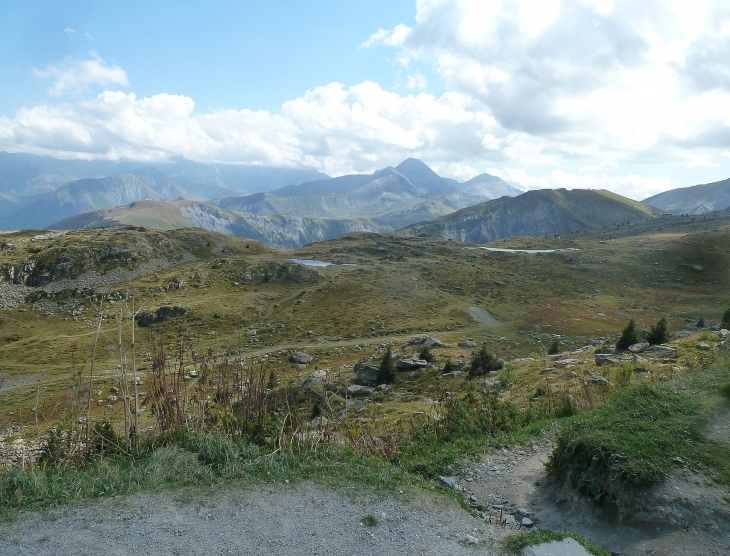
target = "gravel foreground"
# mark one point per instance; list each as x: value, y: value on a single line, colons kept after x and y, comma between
x: 302, y: 519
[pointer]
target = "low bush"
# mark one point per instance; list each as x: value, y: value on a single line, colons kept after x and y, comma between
x: 554, y: 347
x: 483, y: 362
x: 634, y: 440
x: 658, y: 333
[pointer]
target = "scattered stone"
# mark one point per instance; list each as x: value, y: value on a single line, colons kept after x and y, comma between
x: 300, y: 357
x: 526, y: 522
x: 452, y: 374
x: 702, y: 346
x: 605, y: 359
x: 467, y: 344
x: 566, y: 547
x: 597, y: 379
x: 356, y: 391
x: 316, y: 377
x: 449, y: 481
x: 366, y: 370
x: 567, y: 362
x: 411, y: 364
x: 471, y: 540
x: 509, y: 519
x: 429, y: 341
x: 639, y: 348
x: 660, y: 351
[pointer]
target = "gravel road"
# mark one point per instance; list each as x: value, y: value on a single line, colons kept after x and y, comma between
x: 303, y: 519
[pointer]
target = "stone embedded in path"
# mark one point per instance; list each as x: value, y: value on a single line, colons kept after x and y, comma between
x: 566, y: 547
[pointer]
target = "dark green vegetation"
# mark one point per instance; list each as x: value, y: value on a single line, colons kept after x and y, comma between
x: 725, y: 322
x: 658, y: 333
x: 517, y: 543
x: 484, y: 362
x: 537, y: 213
x: 554, y: 347
x: 386, y: 369
x: 629, y: 336
x: 640, y: 435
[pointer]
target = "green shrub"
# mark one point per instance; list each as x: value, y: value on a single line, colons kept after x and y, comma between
x: 725, y: 322
x: 701, y: 323
x: 635, y: 439
x: 483, y: 362
x: 507, y: 376
x: 629, y: 336
x: 449, y: 366
x: 658, y: 333
x: 426, y: 354
x: 624, y: 375
x: 554, y: 348
x: 725, y: 390
x: 386, y: 370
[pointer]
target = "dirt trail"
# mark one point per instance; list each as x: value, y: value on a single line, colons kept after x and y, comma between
x: 685, y: 515
x: 279, y: 519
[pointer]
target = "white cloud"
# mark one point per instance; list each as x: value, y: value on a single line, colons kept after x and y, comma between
x: 69, y: 32
x: 459, y: 172
x: 334, y: 128
x: 416, y: 81
x: 568, y: 79
x: 396, y: 37
x: 77, y: 76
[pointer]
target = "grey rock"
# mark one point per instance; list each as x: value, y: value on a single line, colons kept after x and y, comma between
x: 449, y: 481
x: 605, y: 359
x: 566, y: 547
x: 724, y: 334
x: 356, y: 391
x: 510, y: 520
x: 467, y: 344
x: 366, y: 370
x: 429, y: 341
x: 526, y: 522
x: 639, y: 348
x: 411, y: 364
x: 567, y: 362
x: 702, y: 346
x: 660, y: 352
x: 316, y: 377
x: 300, y: 357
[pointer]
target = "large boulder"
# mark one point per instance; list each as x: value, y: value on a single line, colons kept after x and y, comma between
x: 659, y: 352
x: 605, y: 359
x: 367, y: 370
x: 639, y: 348
x: 411, y: 364
x: 316, y: 377
x: 300, y: 357
x: 356, y: 391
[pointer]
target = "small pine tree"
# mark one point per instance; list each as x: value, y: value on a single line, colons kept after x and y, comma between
x: 725, y: 322
x: 449, y: 366
x: 629, y: 336
x: 554, y: 347
x: 483, y: 362
x: 658, y: 333
x: 426, y: 354
x: 701, y: 323
x: 386, y: 370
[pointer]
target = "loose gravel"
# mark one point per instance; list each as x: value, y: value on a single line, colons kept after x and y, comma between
x: 303, y: 519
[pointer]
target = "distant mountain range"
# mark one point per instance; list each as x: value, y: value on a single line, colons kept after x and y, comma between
x: 271, y: 229
x: 404, y: 194
x: 698, y: 199
x: 26, y: 179
x: 536, y: 213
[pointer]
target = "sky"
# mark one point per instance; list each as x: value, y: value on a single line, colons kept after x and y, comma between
x: 624, y: 95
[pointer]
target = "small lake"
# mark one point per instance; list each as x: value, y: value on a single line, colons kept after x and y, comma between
x: 501, y: 250
x: 314, y: 262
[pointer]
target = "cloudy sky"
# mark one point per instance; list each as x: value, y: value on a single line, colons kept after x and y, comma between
x: 630, y: 96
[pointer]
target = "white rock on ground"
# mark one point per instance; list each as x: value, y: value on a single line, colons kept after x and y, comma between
x: 566, y: 547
